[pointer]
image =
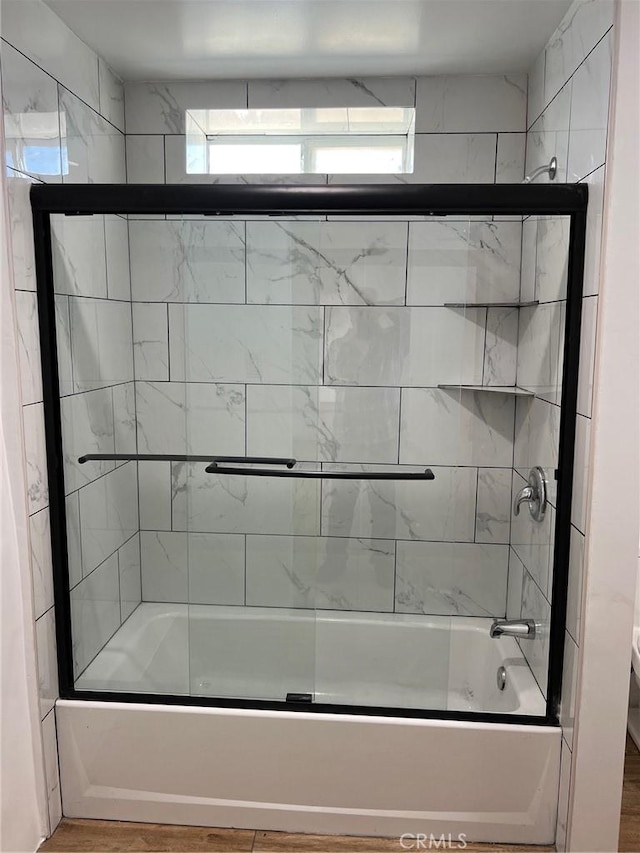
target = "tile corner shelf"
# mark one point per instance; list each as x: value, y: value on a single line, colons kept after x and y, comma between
x: 495, y: 389
x: 491, y: 304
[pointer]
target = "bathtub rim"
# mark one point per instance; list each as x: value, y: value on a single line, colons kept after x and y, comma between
x: 474, y: 626
x: 314, y: 708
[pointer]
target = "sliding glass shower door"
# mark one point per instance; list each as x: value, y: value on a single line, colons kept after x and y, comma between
x: 292, y: 446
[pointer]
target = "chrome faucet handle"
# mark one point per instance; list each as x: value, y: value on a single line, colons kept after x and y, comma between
x: 534, y: 494
x: 524, y: 496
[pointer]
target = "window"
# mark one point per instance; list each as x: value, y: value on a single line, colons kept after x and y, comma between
x: 358, y: 140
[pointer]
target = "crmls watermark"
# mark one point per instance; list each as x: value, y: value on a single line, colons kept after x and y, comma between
x: 424, y: 841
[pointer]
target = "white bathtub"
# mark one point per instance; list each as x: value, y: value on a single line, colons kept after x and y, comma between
x: 304, y: 771
x: 394, y: 660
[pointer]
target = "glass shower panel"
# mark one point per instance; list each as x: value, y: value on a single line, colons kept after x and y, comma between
x: 304, y: 439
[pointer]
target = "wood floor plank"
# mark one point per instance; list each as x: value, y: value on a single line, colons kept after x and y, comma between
x: 105, y: 836
x: 629, y: 840
x: 284, y: 842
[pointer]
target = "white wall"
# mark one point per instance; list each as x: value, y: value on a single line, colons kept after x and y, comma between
x: 57, y: 93
x: 568, y: 107
x: 613, y: 506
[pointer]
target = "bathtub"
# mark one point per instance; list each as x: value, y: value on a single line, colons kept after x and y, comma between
x: 303, y: 771
x: 388, y: 660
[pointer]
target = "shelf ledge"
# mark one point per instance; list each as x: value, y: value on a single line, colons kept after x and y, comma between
x: 491, y: 304
x: 493, y: 389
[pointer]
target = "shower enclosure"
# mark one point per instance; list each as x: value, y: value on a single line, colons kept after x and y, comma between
x: 286, y: 428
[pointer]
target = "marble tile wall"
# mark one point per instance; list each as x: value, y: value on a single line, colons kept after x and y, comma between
x: 274, y: 338
x: 326, y: 341
x: 63, y: 112
x: 568, y: 105
x: 468, y: 128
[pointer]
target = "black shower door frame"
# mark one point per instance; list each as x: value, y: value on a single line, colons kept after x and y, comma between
x: 277, y: 200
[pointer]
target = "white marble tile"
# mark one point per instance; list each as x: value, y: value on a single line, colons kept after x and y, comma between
x: 510, y: 158
x: 216, y: 568
x: 574, y: 596
x: 563, y: 797
x: 117, y: 258
x: 50, y: 744
x: 443, y: 509
x: 587, y: 355
x: 95, y: 612
x: 593, y: 246
x: 537, y: 433
x: 189, y: 261
x: 209, y: 503
x: 31, y: 125
x: 338, y: 92
x: 92, y: 148
x: 145, y: 159
x: 41, y: 564
x: 590, y: 112
x: 35, y: 30
x: 468, y: 103
x: 403, y: 346
x: 552, y: 258
x: 541, y: 350
x: 28, y: 346
x: 124, y: 418
x: 111, y: 95
x: 549, y: 137
x: 501, y: 347
x: 108, y: 515
x: 452, y: 428
x: 78, y: 250
x: 569, y: 687
x: 246, y: 343
x: 199, y: 418
x: 582, y: 465
x: 176, y: 153
x: 101, y: 340
x: 151, y: 341
x: 441, y: 158
x: 47, y: 661
x: 493, y: 505
x: 36, y: 455
x: 451, y: 579
x: 74, y: 549
x: 528, y: 265
x: 87, y: 427
x: 130, y: 577
x: 154, y: 480
x: 63, y: 343
x: 533, y: 541
x: 320, y: 572
x: 535, y: 92
x: 313, y: 423
x: 165, y: 563
x: 579, y: 31
x: 161, y: 107
x: 463, y: 262
x: 21, y: 223
x: 535, y: 606
x: 326, y: 263
x: 514, y: 586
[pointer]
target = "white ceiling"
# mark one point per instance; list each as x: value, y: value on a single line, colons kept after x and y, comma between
x: 200, y: 39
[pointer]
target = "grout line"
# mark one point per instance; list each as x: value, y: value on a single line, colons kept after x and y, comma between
x: 95, y: 568
x: 571, y: 76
